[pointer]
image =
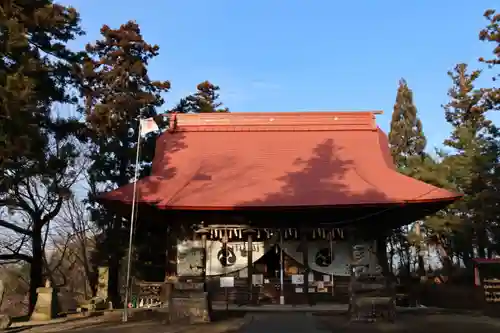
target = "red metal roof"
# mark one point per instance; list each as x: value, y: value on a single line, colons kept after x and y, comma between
x: 251, y: 160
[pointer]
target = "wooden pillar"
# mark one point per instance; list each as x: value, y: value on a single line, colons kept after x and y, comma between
x: 204, y: 261
x: 171, y: 255
x: 305, y: 258
x: 250, y: 267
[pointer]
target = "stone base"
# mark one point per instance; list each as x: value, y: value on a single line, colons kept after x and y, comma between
x: 5, y: 322
x: 194, y: 309
x: 94, y: 304
x: 155, y: 314
x: 369, y: 309
x: 46, y: 305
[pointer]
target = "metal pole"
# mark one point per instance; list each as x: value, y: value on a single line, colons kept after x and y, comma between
x: 282, y: 292
x: 131, y: 234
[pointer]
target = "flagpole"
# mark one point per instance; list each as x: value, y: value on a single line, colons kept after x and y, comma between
x: 282, y: 273
x: 331, y: 258
x: 132, y: 218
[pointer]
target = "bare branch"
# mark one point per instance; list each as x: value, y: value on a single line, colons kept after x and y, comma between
x: 15, y: 228
x: 16, y: 256
x: 53, y: 213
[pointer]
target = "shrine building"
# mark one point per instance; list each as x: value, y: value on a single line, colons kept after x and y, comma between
x: 273, y: 207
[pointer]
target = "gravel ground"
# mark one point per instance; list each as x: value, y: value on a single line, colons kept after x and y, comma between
x: 104, y: 326
x: 291, y: 322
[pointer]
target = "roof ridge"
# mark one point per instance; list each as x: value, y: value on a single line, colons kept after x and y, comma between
x: 276, y: 121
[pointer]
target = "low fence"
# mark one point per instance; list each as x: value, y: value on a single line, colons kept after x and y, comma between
x: 451, y: 296
x: 445, y: 295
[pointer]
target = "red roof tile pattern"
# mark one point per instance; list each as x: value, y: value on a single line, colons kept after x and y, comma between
x: 252, y: 160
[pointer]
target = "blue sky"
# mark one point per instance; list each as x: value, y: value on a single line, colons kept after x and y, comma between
x: 291, y: 55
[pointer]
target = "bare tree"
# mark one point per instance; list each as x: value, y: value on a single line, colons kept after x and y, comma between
x: 72, y: 242
x: 15, y: 278
x: 30, y: 201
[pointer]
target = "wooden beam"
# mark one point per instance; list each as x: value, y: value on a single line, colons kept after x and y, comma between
x: 305, y: 258
x: 250, y: 267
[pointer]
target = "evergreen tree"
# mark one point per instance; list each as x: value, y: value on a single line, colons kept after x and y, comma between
x: 35, y: 68
x: 491, y: 34
x: 205, y: 100
x: 38, y: 150
x: 406, y: 137
x: 118, y: 92
x: 407, y: 143
x: 469, y: 164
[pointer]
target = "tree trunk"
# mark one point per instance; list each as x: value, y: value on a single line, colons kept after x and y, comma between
x: 89, y: 275
x: 115, y: 255
x: 482, y: 243
x: 446, y: 260
x: 391, y: 256
x: 421, y: 263
x: 381, y: 252
x: 36, y: 267
x: 489, y: 253
x: 408, y: 262
x: 114, y: 279
x: 467, y: 258
x: 171, y: 256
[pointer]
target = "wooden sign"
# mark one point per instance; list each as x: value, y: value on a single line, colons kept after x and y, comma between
x: 227, y: 282
x: 298, y: 279
x: 488, y: 274
x: 491, y: 289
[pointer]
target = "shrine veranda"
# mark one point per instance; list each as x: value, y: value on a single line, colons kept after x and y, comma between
x: 244, y: 265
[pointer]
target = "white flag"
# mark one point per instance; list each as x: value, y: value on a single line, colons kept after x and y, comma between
x: 148, y: 125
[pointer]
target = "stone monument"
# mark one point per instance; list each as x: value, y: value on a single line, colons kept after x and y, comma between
x: 4, y: 319
x: 371, y: 295
x: 100, y: 301
x: 102, y: 282
x: 46, y: 303
x: 189, y: 303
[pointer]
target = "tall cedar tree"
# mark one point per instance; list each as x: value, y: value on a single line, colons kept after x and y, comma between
x: 407, y: 143
x: 118, y: 92
x: 36, y: 152
x: 205, y: 100
x: 406, y: 137
x: 469, y: 166
x: 491, y: 34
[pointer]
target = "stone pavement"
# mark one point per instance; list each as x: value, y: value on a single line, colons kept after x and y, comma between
x: 328, y: 307
x: 283, y: 322
x: 407, y: 323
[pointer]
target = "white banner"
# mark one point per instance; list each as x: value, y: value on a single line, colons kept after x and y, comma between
x: 189, y: 262
x: 219, y: 260
x: 321, y: 259
x: 234, y: 258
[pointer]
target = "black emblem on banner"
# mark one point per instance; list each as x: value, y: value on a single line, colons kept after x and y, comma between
x: 323, y: 257
x: 226, y: 256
